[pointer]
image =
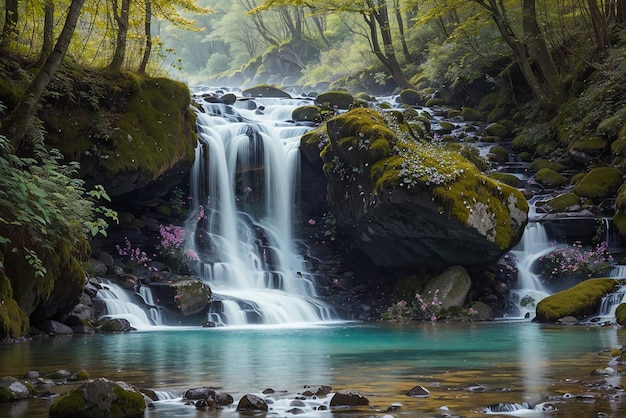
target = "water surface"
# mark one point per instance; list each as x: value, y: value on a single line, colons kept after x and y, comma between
x: 507, y: 361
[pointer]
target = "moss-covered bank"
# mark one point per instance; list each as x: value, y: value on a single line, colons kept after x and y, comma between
x: 579, y: 301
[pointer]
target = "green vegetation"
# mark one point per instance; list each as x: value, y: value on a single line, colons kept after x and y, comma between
x: 579, y: 301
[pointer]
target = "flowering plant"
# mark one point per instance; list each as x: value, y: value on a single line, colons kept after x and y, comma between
x: 575, y: 260
x: 421, y: 308
x: 134, y: 257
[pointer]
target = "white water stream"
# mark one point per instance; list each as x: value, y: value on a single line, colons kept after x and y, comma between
x: 243, y: 188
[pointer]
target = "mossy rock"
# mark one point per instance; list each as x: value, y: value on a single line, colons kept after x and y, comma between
x: 618, y: 147
x: 453, y: 113
x: 525, y: 156
x: 523, y: 143
x: 601, y: 183
x: 577, y: 178
x: 593, y: 145
x: 100, y: 398
x: 471, y: 114
x: 613, y: 126
x: 435, y: 101
x: 579, y: 301
x: 496, y: 129
x: 496, y: 114
x: 620, y: 314
x: 342, y: 99
x: 498, y: 154
x: 445, y: 127
x: 263, y: 90
x: 364, y: 96
x: 411, y: 97
x: 540, y: 163
x: 13, y: 320
x: 563, y: 201
x: 306, y: 113
x: 550, y: 178
x: 506, y: 178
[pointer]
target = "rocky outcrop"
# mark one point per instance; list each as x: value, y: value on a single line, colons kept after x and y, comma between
x: 409, y: 203
x: 100, y: 398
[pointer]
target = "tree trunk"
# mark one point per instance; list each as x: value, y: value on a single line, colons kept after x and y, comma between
x: 48, y: 35
x: 121, y: 17
x: 16, y: 124
x: 599, y: 25
x: 398, y: 13
x: 376, y: 18
x: 537, y: 47
x: 9, y: 31
x: 148, y: 32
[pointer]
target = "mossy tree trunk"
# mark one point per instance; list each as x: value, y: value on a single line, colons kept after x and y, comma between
x: 148, y: 32
x: 9, y: 30
x: 16, y: 124
x: 48, y: 35
x: 121, y: 17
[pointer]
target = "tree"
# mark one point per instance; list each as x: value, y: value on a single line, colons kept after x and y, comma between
x: 48, y: 32
x: 9, y: 30
x: 375, y: 13
x: 121, y: 15
x: 148, y: 32
x: 16, y: 124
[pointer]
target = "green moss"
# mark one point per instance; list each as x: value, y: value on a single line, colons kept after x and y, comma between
x: 620, y: 314
x: 13, y: 320
x: 578, y: 301
x: 498, y: 154
x: 593, y: 145
x: 563, y: 201
x: 7, y: 396
x: 469, y: 113
x: 496, y: 129
x: 435, y: 101
x: 454, y: 113
x: 577, y: 178
x: 506, y: 178
x: 306, y: 113
x: 410, y: 97
x: 341, y: 99
x: 540, y: 163
x: 446, y: 127
x: 599, y: 184
x: 264, y: 90
x: 550, y: 178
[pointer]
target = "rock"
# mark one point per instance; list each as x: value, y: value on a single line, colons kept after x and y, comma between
x: 12, y: 389
x: 61, y: 374
x: 578, y: 301
x: 418, y: 392
x: 98, y: 267
x: 550, y: 178
x: 100, y: 398
x: 348, y: 398
x: 186, y: 295
x: 251, y: 402
x: 567, y: 320
x: 452, y: 287
x: 83, y: 329
x: 265, y: 91
x: 115, y: 325
x: 54, y: 328
x: 411, y: 97
x: 127, y: 281
x: 199, y: 393
x: 495, y: 129
x: 472, y: 114
x: 341, y: 99
x: 405, y: 213
x: 306, y: 113
x: 223, y: 399
x: 599, y: 184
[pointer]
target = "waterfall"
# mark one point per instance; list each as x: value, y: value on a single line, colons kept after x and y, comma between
x: 243, y: 195
x: 120, y: 305
x: 533, y: 245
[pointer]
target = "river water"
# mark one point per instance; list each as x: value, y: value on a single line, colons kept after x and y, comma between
x: 465, y: 366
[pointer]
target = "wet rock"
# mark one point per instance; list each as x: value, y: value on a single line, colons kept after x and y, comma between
x: 567, y: 320
x: 607, y: 371
x: 207, y: 403
x: 348, y: 398
x: 54, y: 328
x: 100, y: 397
x: 61, y: 374
x: 321, y: 390
x: 223, y: 399
x: 418, y: 392
x: 12, y: 389
x: 115, y: 325
x: 199, y: 393
x: 250, y: 402
x: 98, y: 267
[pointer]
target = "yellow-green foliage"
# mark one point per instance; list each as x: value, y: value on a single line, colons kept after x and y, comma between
x: 578, y: 301
x: 563, y: 201
x: 600, y: 183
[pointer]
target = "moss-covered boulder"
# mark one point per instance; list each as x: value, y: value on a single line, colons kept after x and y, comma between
x: 412, y: 203
x: 13, y: 320
x: 342, y: 99
x: 506, y: 178
x: 587, y: 148
x: 599, y: 184
x: 496, y: 129
x: 135, y: 134
x: 620, y: 314
x: 12, y: 390
x: 411, y: 97
x: 186, y: 295
x: 563, y: 201
x: 451, y: 287
x: 306, y: 114
x: 540, y: 163
x: 100, y: 398
x: 263, y: 90
x: 498, y: 154
x: 550, y: 178
x: 579, y: 301
x: 472, y: 114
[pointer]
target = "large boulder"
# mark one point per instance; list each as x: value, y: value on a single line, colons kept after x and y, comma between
x: 100, y: 398
x: 185, y: 294
x: 451, y: 286
x: 409, y: 203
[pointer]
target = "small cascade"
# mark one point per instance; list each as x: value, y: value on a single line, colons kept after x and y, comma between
x: 243, y: 188
x: 609, y: 303
x: 530, y: 291
x: 120, y: 305
x: 146, y: 294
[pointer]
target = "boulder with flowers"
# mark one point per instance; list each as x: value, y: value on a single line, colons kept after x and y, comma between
x: 410, y: 203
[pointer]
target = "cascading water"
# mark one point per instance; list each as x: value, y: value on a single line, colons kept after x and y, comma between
x: 533, y: 245
x: 243, y: 188
x: 120, y: 305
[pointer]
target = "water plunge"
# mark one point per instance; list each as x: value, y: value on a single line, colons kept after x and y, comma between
x: 243, y: 194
